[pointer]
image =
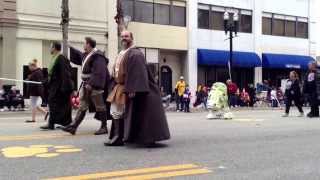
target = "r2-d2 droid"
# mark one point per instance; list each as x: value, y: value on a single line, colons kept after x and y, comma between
x: 218, y: 102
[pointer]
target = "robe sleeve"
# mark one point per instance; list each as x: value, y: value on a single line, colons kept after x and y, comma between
x: 136, y: 80
x: 99, y: 72
x: 66, y: 83
x: 76, y: 56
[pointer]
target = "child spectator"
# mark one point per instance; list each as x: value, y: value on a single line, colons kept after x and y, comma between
x: 186, y: 99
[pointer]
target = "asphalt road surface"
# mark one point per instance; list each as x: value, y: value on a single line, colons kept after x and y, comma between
x: 255, y: 145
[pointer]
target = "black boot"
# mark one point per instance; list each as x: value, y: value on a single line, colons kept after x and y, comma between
x: 72, y: 128
x: 116, y: 133
x: 102, y: 116
x: 49, y: 126
x: 103, y: 129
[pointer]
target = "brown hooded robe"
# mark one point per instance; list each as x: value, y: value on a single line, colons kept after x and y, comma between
x: 145, y: 120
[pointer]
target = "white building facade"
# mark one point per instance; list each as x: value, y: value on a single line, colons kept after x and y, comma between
x: 37, y: 24
x: 159, y: 28
x: 280, y: 34
x: 179, y: 37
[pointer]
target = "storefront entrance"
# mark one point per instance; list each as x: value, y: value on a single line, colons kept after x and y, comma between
x: 166, y: 79
x: 241, y: 76
x: 276, y: 75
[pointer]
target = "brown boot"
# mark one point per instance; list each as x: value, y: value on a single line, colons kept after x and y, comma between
x: 72, y: 128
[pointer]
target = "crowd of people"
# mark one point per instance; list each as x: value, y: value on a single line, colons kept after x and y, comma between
x: 182, y: 96
x: 295, y: 92
x: 248, y: 96
x: 11, y: 99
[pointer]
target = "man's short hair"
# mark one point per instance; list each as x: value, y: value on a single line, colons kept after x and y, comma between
x: 56, y: 45
x: 91, y: 42
x: 130, y: 33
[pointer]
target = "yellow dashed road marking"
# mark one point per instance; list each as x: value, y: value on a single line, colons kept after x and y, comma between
x: 39, y: 136
x: 143, y: 174
x: 40, y: 146
x: 63, y: 147
x: 20, y: 152
x: 41, y: 151
x: 165, y: 174
x: 47, y: 155
x: 68, y: 150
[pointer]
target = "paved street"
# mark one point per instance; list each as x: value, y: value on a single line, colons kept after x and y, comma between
x: 255, y: 145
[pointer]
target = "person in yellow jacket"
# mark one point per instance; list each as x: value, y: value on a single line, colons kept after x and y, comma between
x: 180, y: 88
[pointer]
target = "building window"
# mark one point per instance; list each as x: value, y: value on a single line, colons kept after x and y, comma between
x: 290, y: 28
x: 143, y: 11
x: 165, y: 12
x: 212, y: 17
x: 217, y: 20
x: 162, y: 12
x: 278, y: 27
x: 127, y: 6
x: 178, y: 13
x: 266, y: 25
x: 302, y: 29
x: 283, y: 25
x: 245, y: 23
x: 203, y: 17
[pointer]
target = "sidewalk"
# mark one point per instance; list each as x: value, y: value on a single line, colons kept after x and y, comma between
x: 171, y: 108
x: 26, y: 112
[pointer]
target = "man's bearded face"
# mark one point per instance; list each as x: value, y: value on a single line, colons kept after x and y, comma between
x: 126, y: 39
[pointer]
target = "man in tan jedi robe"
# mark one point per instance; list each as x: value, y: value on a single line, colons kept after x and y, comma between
x: 135, y: 100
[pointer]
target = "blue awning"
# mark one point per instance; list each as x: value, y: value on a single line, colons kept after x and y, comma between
x: 221, y: 58
x: 285, y: 61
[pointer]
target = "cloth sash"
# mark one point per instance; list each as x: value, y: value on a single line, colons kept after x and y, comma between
x: 88, y: 57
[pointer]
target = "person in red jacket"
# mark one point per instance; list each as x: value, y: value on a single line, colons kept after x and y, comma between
x: 232, y: 90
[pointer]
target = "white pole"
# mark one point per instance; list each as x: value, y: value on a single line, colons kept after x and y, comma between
x: 24, y: 81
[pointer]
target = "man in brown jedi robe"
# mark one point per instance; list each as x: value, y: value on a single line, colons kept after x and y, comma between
x: 135, y: 100
x: 95, y: 78
x: 60, y: 87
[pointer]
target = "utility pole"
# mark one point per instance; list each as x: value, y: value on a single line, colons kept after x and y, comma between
x: 65, y: 26
x: 231, y: 25
x: 120, y: 22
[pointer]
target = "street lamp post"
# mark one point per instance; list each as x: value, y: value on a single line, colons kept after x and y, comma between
x: 65, y: 25
x: 122, y: 21
x: 231, y: 24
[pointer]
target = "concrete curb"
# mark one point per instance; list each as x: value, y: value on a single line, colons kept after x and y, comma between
x: 171, y: 109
